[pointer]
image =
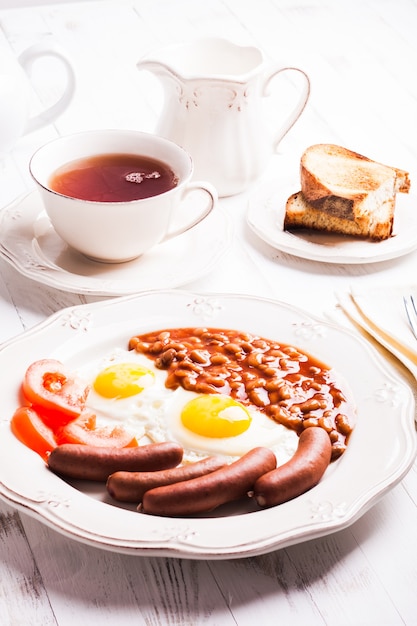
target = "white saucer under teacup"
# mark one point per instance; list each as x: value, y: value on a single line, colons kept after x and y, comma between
x: 30, y: 244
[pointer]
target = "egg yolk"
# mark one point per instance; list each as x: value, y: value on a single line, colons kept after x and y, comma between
x: 215, y: 416
x: 122, y: 380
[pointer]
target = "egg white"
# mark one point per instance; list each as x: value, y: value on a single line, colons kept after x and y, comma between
x: 135, y: 413
x: 154, y: 415
x: 262, y: 431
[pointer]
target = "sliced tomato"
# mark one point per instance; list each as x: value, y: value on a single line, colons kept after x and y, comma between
x: 53, y: 418
x: 83, y: 430
x: 50, y: 385
x: 30, y: 429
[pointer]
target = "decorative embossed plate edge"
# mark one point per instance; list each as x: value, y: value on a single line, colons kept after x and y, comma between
x: 348, y: 489
x: 265, y: 217
x: 29, y: 243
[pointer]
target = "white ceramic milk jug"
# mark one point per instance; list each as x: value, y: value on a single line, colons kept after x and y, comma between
x: 214, y: 92
x: 15, y: 119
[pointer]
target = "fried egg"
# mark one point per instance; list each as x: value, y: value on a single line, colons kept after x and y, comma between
x: 217, y: 424
x: 128, y: 390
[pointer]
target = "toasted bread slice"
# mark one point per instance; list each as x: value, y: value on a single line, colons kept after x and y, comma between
x: 300, y: 213
x: 330, y: 170
x: 345, y: 192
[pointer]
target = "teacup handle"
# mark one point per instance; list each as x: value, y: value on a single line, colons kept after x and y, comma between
x: 196, y: 186
x: 26, y: 59
x: 300, y: 104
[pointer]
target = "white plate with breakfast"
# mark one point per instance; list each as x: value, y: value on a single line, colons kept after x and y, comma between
x: 30, y: 244
x: 299, y: 353
x: 350, y: 209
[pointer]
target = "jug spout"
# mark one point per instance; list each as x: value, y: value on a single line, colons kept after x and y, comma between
x: 158, y: 68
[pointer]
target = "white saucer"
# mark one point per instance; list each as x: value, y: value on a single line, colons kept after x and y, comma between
x: 30, y: 244
x: 265, y: 217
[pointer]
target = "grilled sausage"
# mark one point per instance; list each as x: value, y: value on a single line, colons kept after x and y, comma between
x: 97, y: 463
x: 130, y: 486
x: 203, y: 494
x: 302, y: 472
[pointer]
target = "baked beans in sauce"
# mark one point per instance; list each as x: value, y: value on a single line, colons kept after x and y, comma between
x: 290, y: 386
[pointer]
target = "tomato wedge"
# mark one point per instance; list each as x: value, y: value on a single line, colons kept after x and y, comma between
x: 57, y: 413
x: 30, y: 429
x: 83, y: 430
x: 49, y: 385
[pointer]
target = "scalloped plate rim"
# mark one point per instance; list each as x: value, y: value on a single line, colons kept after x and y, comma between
x: 32, y: 262
x: 265, y: 216
x: 319, y: 512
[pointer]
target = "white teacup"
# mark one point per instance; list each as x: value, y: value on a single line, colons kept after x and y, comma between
x: 117, y: 231
x: 15, y: 118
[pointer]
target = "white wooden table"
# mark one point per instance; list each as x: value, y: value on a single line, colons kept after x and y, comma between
x: 362, y: 60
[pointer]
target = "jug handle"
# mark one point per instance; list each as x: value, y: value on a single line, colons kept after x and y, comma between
x: 299, y: 107
x: 26, y: 59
